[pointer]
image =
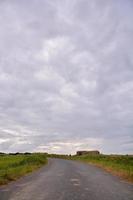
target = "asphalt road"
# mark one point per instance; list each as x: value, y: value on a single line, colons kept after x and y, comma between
x: 68, y: 180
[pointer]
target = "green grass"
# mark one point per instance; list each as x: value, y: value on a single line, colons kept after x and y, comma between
x: 61, y: 156
x: 121, y: 165
x: 15, y: 166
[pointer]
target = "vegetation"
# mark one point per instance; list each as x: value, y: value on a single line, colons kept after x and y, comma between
x: 121, y: 165
x: 14, y: 166
x: 61, y: 156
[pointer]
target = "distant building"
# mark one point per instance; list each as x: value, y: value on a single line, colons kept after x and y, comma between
x: 79, y: 153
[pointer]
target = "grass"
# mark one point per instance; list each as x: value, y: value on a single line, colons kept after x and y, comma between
x: 121, y: 165
x: 15, y: 166
x: 61, y: 156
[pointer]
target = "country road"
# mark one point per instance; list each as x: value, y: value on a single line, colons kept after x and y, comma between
x: 68, y: 180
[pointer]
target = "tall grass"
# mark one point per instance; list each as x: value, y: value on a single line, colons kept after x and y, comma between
x: 15, y: 166
x: 121, y: 165
x: 61, y: 156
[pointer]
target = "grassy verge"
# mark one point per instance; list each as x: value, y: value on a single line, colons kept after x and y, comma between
x: 117, y: 165
x: 15, y: 166
x: 61, y: 156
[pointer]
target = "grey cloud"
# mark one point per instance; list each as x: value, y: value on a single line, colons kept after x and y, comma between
x: 66, y: 75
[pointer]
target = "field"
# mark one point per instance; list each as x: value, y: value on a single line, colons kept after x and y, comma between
x: 121, y: 165
x: 15, y: 166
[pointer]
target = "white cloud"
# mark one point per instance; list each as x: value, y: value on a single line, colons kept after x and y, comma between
x: 53, y: 47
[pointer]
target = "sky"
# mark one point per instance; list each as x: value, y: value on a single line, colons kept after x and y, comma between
x: 66, y: 76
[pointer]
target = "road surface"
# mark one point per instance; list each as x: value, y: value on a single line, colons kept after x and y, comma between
x: 68, y: 180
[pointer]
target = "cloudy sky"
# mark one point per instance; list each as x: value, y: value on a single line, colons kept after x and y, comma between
x: 66, y: 75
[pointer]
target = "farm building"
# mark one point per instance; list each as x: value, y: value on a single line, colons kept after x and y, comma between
x: 96, y: 152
